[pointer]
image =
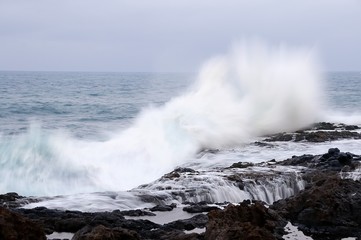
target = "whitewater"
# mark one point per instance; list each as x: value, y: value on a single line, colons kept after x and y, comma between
x: 252, y: 91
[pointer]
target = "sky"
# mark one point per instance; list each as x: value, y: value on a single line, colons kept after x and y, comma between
x: 169, y: 35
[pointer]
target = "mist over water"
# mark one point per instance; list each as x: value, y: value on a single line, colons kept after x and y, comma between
x: 251, y: 91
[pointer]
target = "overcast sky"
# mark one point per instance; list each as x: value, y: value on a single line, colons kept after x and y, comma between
x: 169, y: 35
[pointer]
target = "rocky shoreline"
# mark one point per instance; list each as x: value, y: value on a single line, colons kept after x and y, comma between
x: 321, y: 195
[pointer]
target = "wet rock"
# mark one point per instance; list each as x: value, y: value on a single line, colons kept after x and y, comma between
x: 103, y: 233
x: 136, y: 213
x: 199, y: 208
x: 163, y: 208
x: 14, y: 226
x: 198, y: 221
x: 333, y: 160
x: 281, y: 137
x: 263, y: 144
x: 161, y: 234
x: 344, y: 159
x: 242, y: 165
x: 324, y: 126
x: 147, y: 198
x: 305, y: 160
x: 351, y: 127
x: 70, y: 221
x: 329, y: 209
x: 238, y: 179
x: 11, y: 200
x: 176, y: 173
x: 320, y: 132
x: 246, y: 221
x: 318, y: 136
x: 323, y: 136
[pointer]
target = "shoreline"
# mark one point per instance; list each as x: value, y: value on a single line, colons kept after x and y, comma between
x: 313, y: 192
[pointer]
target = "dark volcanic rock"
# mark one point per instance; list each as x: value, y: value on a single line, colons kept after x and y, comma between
x: 281, y: 137
x: 329, y: 209
x: 242, y: 165
x: 10, y: 200
x: 136, y: 213
x: 317, y: 136
x: 14, y: 200
x: 103, y: 233
x: 323, y: 136
x: 199, y: 208
x: 333, y: 160
x: 320, y: 132
x: 70, y: 221
x: 176, y: 173
x: 198, y: 221
x: 14, y: 226
x: 163, y: 208
x: 246, y: 221
x: 324, y: 126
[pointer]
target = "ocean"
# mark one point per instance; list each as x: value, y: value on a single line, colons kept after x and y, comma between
x: 89, y: 135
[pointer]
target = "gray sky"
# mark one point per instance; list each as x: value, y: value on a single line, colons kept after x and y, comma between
x: 169, y: 35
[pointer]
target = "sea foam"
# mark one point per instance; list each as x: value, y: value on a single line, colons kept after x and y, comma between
x: 251, y: 91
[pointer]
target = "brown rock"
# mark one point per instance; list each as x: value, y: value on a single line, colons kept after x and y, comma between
x: 330, y: 208
x: 13, y: 226
x: 246, y: 221
x: 103, y: 233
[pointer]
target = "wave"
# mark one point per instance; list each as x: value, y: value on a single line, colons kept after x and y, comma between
x: 251, y: 91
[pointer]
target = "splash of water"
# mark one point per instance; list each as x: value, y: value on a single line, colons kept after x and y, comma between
x: 254, y: 90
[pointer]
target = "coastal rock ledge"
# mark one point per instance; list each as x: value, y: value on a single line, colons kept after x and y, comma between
x: 327, y: 207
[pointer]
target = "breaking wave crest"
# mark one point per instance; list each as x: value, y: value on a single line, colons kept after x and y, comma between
x: 252, y: 91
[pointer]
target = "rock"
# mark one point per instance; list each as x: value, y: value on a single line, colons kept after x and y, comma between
x: 344, y: 159
x: 329, y: 209
x: 324, y: 126
x: 238, y: 179
x: 199, y: 208
x: 321, y: 132
x: 10, y: 200
x: 242, y: 165
x: 163, y: 208
x: 197, y: 221
x: 136, y: 213
x: 70, y: 221
x: 13, y: 226
x: 263, y: 144
x: 333, y: 160
x: 281, y: 137
x: 305, y: 160
x: 351, y: 127
x: 246, y: 221
x: 333, y: 151
x: 323, y: 136
x: 183, y: 170
x: 103, y: 233
x: 176, y: 173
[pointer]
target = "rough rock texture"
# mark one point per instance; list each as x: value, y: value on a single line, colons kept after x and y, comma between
x: 113, y: 225
x: 320, y: 132
x: 103, y: 233
x: 199, y: 207
x: 16, y: 227
x: 246, y: 221
x: 72, y: 221
x: 329, y: 209
x: 333, y: 160
x: 198, y: 221
x: 163, y: 208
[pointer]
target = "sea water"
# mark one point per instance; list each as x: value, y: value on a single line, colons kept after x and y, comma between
x: 65, y: 133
